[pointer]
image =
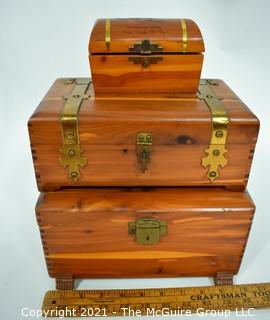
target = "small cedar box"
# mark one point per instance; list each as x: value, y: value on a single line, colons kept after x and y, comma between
x: 167, y: 232
x: 79, y: 139
x: 130, y: 56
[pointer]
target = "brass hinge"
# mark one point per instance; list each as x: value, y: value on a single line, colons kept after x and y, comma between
x: 220, y: 120
x: 72, y: 158
x: 147, y: 230
x: 144, y: 149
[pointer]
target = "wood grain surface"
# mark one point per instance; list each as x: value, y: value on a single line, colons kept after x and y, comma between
x: 108, y: 127
x: 179, y: 73
x: 85, y: 231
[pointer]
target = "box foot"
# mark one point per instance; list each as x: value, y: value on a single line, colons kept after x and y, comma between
x: 223, y: 279
x: 64, y: 282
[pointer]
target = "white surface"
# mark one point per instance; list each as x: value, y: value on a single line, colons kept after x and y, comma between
x: 42, y: 40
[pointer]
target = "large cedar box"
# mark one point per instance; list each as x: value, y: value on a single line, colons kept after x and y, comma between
x: 99, y: 233
x: 78, y: 139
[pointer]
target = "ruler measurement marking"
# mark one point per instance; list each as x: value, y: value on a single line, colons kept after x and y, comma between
x: 192, y: 298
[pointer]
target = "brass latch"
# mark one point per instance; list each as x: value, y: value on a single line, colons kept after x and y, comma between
x: 145, y: 47
x: 144, y: 149
x: 71, y: 150
x: 220, y: 120
x: 147, y: 230
x: 145, y: 62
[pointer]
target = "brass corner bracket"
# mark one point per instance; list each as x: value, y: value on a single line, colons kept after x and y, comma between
x: 215, y: 158
x: 72, y: 158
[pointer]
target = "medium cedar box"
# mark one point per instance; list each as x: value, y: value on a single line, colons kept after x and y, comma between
x: 150, y: 56
x: 79, y: 139
x: 99, y: 233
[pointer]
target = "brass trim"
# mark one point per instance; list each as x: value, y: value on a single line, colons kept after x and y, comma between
x: 220, y: 120
x: 71, y: 149
x: 108, y: 33
x: 144, y: 143
x: 184, y: 34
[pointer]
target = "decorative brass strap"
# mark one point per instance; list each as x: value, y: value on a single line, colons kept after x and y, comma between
x: 108, y: 33
x: 184, y: 34
x: 71, y: 149
x: 144, y: 149
x: 220, y: 121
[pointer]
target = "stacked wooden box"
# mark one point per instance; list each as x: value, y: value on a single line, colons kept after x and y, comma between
x: 142, y: 170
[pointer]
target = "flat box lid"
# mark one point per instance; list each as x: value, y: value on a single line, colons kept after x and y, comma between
x: 117, y: 120
x: 163, y: 200
x: 169, y: 35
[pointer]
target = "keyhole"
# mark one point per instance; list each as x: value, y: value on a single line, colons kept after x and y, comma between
x: 147, y: 238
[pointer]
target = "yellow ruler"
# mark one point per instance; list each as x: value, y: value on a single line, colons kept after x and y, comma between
x: 156, y: 302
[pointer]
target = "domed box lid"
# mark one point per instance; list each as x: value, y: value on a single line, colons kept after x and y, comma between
x: 145, y: 36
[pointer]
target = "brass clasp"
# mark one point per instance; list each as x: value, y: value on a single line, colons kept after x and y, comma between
x: 145, y: 61
x: 147, y: 230
x: 145, y: 47
x: 144, y: 149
